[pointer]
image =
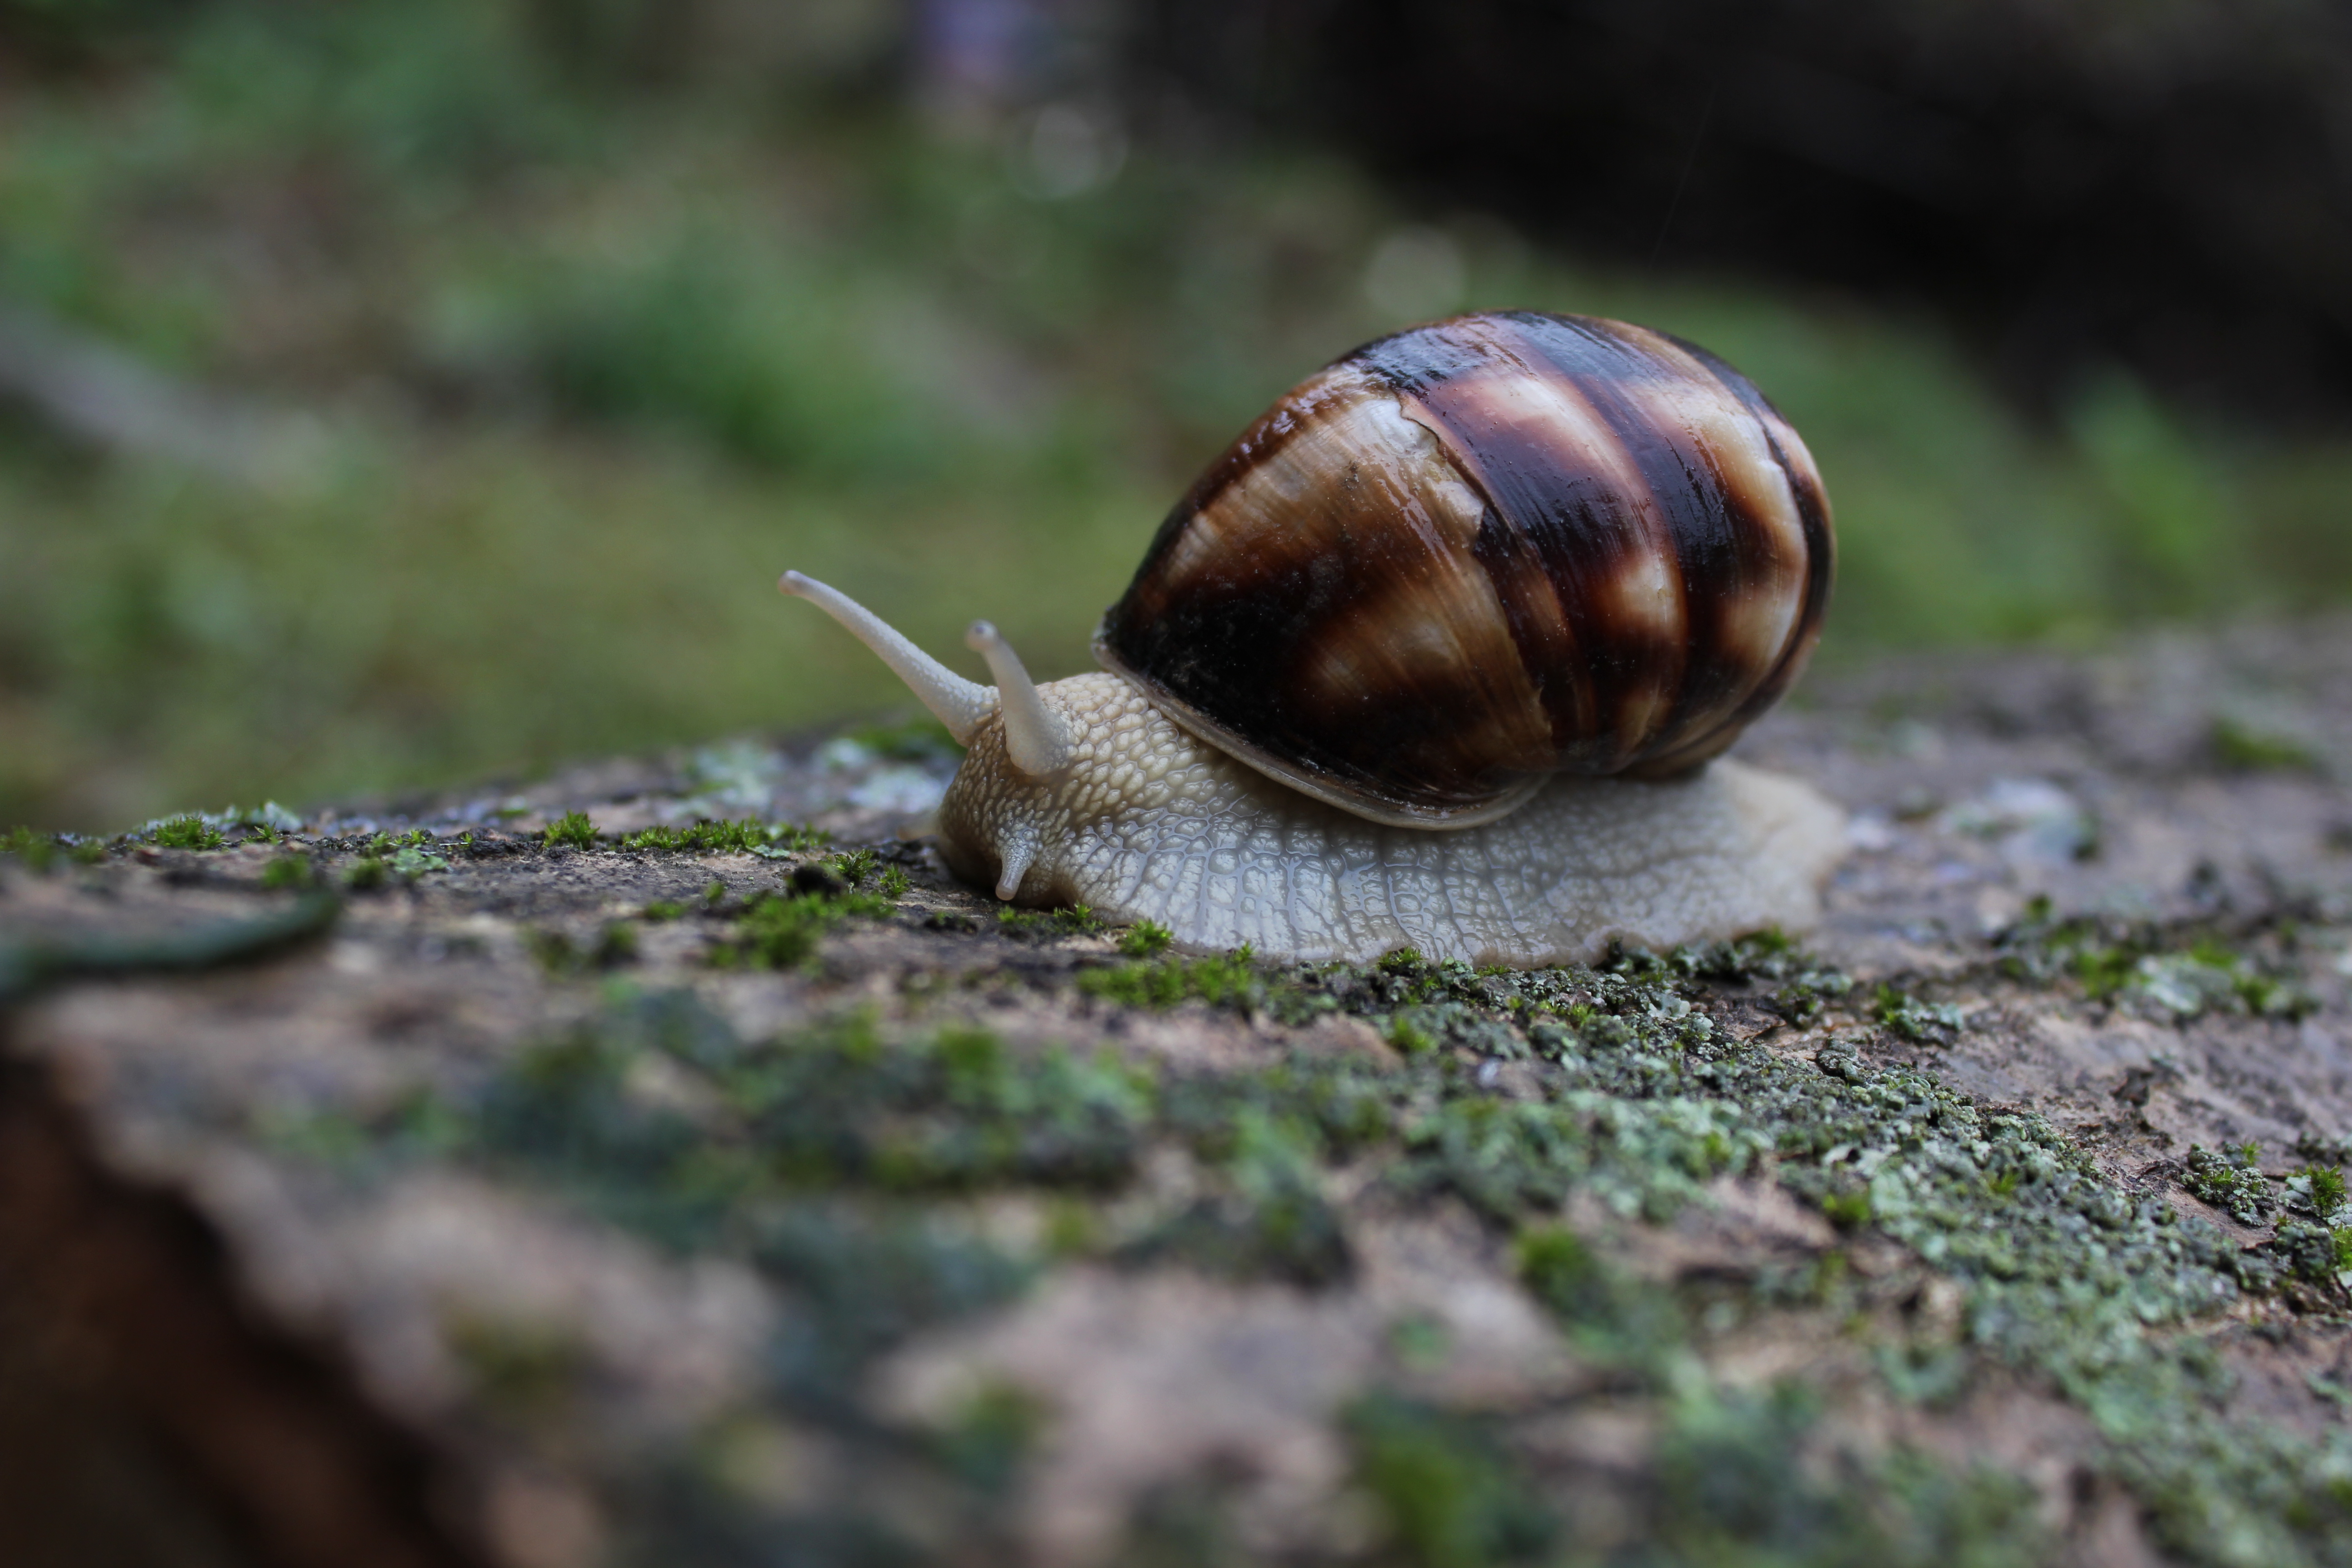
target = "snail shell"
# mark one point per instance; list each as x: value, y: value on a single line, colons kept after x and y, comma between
x: 1479, y: 552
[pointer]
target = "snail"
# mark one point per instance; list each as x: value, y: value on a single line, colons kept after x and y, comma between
x: 1437, y: 654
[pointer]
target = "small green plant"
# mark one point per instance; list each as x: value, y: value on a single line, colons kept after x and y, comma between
x: 367, y: 875
x: 1228, y: 981
x: 853, y: 865
x: 412, y: 862
x: 1912, y: 1019
x: 663, y: 910
x: 1445, y: 1487
x: 2322, y: 1187
x: 35, y: 849
x: 1041, y: 925
x: 1410, y: 1037
x: 2104, y: 971
x: 1561, y: 1272
x: 2230, y: 1181
x: 573, y: 828
x: 778, y: 932
x: 288, y: 871
x: 750, y: 836
x: 1145, y: 939
x: 189, y: 832
x: 1847, y: 1211
x: 2246, y: 747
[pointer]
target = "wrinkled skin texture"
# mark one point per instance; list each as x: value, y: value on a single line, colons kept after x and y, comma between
x: 1148, y: 822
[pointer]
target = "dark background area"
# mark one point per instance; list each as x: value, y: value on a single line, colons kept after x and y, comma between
x: 2164, y: 185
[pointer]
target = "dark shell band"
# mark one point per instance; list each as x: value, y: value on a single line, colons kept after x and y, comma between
x: 1481, y: 551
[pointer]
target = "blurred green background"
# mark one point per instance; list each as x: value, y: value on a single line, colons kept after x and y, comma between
x: 395, y: 392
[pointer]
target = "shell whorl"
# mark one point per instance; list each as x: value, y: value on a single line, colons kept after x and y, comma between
x: 1480, y: 552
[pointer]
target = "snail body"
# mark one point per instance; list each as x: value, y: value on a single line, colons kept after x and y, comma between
x: 1434, y: 655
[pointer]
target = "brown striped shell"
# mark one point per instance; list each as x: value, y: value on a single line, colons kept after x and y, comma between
x: 1481, y: 551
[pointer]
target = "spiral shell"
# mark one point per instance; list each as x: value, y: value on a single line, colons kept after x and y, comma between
x: 1481, y: 551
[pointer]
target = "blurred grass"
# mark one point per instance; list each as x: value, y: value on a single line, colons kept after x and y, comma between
x: 596, y: 358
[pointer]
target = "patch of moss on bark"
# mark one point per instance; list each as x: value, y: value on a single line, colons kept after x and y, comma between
x: 812, y: 1156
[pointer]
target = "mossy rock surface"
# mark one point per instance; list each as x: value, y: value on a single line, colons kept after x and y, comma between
x: 542, y: 1178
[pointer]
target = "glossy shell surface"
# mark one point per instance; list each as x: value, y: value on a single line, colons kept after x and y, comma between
x: 1479, y: 552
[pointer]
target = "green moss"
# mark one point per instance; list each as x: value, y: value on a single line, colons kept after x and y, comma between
x: 1448, y: 1495
x: 1407, y: 1036
x: 1744, y: 1482
x: 185, y: 833
x: 1042, y: 925
x: 1802, y: 988
x: 367, y: 874
x: 1847, y: 1210
x: 2232, y: 1182
x: 662, y: 910
x: 989, y: 1437
x: 1912, y: 1019
x: 411, y: 862
x: 2247, y: 747
x: 2097, y: 1292
x: 1270, y: 1219
x: 811, y: 1113
x: 1229, y: 980
x: 35, y: 849
x: 776, y: 931
x: 2322, y: 1189
x: 288, y: 871
x: 1145, y: 939
x: 1607, y: 1316
x: 572, y: 828
x: 748, y: 836
x: 853, y: 866
x: 2162, y: 973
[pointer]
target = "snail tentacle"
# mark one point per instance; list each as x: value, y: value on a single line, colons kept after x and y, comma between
x: 1016, y: 851
x: 958, y: 703
x: 1035, y: 739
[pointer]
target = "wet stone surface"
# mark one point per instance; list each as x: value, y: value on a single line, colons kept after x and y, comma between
x: 598, y: 1188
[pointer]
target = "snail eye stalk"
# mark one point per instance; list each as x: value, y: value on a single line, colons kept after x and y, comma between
x: 1035, y: 738
x: 958, y: 703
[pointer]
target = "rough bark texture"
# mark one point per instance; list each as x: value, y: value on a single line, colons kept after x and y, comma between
x: 575, y: 1203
